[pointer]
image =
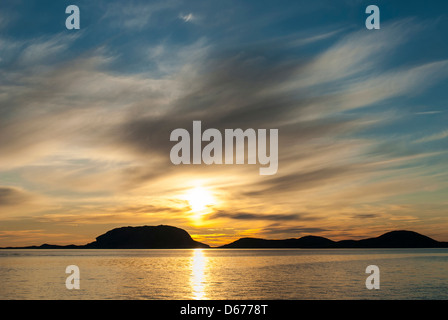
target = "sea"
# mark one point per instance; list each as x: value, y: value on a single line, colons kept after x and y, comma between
x: 223, y: 274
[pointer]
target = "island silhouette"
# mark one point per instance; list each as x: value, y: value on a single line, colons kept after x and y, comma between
x: 169, y: 237
x: 392, y: 239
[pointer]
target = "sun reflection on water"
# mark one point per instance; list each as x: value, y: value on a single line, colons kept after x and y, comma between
x: 198, y: 266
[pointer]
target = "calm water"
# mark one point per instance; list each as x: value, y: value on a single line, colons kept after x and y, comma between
x: 225, y: 274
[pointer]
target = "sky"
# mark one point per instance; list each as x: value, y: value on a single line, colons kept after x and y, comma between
x: 86, y: 117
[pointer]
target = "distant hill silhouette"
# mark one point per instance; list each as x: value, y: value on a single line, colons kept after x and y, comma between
x: 168, y: 237
x: 304, y: 242
x: 393, y: 239
x: 143, y: 237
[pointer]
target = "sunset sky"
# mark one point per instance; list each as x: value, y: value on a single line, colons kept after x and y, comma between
x: 86, y: 117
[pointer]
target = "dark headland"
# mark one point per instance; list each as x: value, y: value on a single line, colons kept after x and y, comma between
x: 168, y: 237
x: 143, y: 237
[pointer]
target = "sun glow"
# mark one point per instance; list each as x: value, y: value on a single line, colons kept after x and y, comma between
x: 200, y: 199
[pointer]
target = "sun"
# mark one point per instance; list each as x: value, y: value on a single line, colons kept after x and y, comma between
x: 200, y: 199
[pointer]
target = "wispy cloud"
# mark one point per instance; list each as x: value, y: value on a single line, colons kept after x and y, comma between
x: 135, y: 15
x: 428, y: 112
x: 187, y: 17
x: 10, y: 196
x: 433, y: 137
x: 255, y: 216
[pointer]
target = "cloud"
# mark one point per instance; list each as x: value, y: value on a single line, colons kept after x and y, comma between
x: 128, y: 118
x: 256, y: 216
x: 45, y: 50
x: 366, y: 215
x: 135, y: 15
x: 149, y: 209
x: 299, y: 181
x: 305, y: 39
x: 242, y: 87
x: 246, y: 88
x: 428, y: 112
x: 433, y: 137
x: 11, y: 196
x: 296, y: 231
x: 187, y: 17
x: 354, y: 56
x: 69, y: 104
x: 7, y: 17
